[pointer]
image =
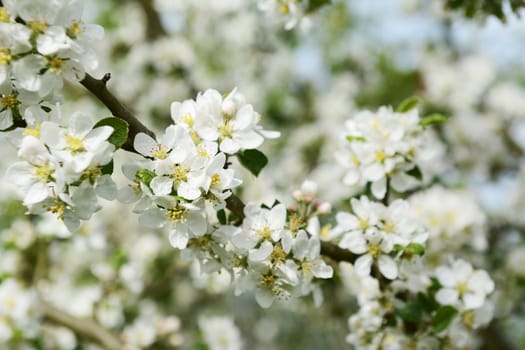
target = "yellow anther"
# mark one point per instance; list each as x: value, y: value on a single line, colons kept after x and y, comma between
x: 215, y: 180
x: 160, y: 153
x: 278, y: 255
x: 10, y: 101
x: 179, y: 174
x: 177, y: 214
x: 226, y: 130
x: 187, y: 119
x: 374, y: 250
x: 55, y: 64
x: 265, y: 233
x: 35, y: 132
x: 380, y: 156
x: 43, y: 172
x: 38, y: 27
x: 75, y: 144
x: 4, y: 16
x: 5, y: 56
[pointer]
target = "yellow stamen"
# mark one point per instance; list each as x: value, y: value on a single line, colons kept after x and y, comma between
x: 374, y: 250
x: 58, y: 209
x: 265, y: 233
x: 179, y: 174
x: 5, y: 56
x: 269, y: 279
x: 278, y: 255
x: 215, y: 180
x: 38, y: 27
x: 380, y: 156
x: 92, y: 174
x: 363, y: 224
x: 76, y: 144
x: 187, y: 119
x: 43, y: 173
x: 160, y: 153
x: 389, y: 227
x: 35, y: 132
x: 177, y: 214
x: 10, y: 101
x: 74, y: 30
x: 226, y: 130
x: 55, y: 64
x: 4, y: 16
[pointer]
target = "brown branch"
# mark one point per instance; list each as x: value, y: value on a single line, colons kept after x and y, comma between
x: 98, y: 88
x: 84, y: 328
x: 154, y: 27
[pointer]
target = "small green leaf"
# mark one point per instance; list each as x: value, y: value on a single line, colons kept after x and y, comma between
x: 432, y: 119
x: 415, y: 249
x: 221, y: 216
x: 442, y: 318
x: 253, y: 160
x: 107, y: 169
x: 411, y: 312
x: 416, y: 173
x: 351, y: 138
x: 120, y: 130
x: 314, y: 5
x: 145, y: 175
x: 408, y: 104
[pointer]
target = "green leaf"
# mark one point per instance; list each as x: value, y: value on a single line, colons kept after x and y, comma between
x: 253, y: 160
x: 351, y: 138
x: 314, y: 5
x: 408, y: 104
x: 107, y: 169
x: 415, y: 172
x: 411, y: 312
x: 432, y: 119
x: 145, y: 175
x: 221, y: 216
x: 120, y: 130
x: 415, y: 249
x: 442, y: 318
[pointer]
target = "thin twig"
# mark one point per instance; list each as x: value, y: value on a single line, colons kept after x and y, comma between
x: 98, y: 88
x: 83, y: 327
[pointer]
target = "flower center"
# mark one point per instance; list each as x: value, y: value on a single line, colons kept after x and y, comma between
x: 226, y: 130
x: 4, y: 16
x: 177, y: 214
x: 92, y: 174
x: 215, y: 180
x: 188, y: 119
x: 462, y: 288
x: 278, y: 255
x: 380, y: 156
x: 10, y: 101
x: 37, y: 26
x: 265, y: 233
x: 160, y: 153
x: 55, y: 64
x: 5, y: 56
x: 43, y: 173
x: 74, y: 30
x: 75, y: 144
x: 374, y: 250
x: 35, y: 132
x: 180, y: 174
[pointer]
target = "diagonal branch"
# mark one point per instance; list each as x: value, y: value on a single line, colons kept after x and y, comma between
x: 98, y: 88
x: 84, y: 328
x: 154, y: 28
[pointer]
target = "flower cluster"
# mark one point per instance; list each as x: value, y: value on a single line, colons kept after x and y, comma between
x: 453, y: 218
x: 18, y: 313
x: 187, y: 166
x: 388, y: 146
x: 291, y: 11
x: 41, y: 42
x: 381, y: 235
x: 280, y: 258
x: 65, y: 168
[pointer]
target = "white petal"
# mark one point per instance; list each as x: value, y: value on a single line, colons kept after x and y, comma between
x: 363, y: 265
x: 261, y: 253
x: 161, y: 185
x: 179, y: 238
x: 447, y: 296
x: 387, y: 266
x: 144, y: 144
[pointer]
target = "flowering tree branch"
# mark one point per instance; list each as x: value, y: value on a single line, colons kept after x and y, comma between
x: 98, y: 87
x: 154, y: 28
x: 85, y: 328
